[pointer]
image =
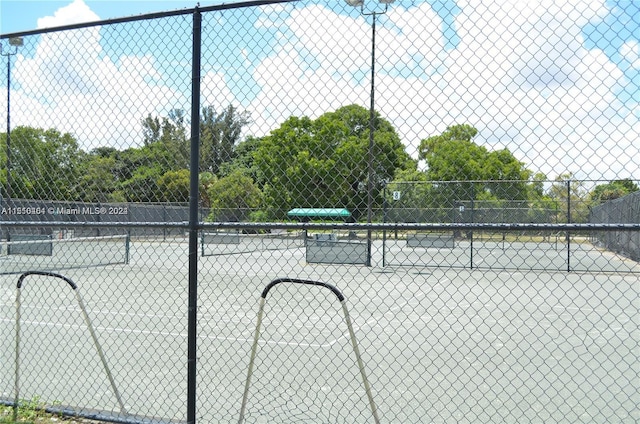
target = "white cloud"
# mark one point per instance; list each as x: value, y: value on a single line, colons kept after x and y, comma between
x: 70, y: 84
x: 294, y: 90
x: 631, y: 52
x: 215, y: 91
x: 520, y: 74
x: 76, y: 12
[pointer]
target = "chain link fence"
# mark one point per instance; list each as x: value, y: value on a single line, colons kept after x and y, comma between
x: 443, y: 196
x: 622, y: 210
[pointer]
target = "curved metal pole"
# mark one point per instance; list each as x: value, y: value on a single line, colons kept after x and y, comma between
x: 103, y: 359
x: 352, y: 335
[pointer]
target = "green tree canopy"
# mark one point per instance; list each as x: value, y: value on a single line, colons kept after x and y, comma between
x: 323, y: 162
x: 612, y: 190
x: 175, y: 185
x: 571, y: 197
x: 98, y: 179
x: 219, y: 134
x: 453, y: 156
x: 233, y: 197
x: 45, y: 164
x: 168, y: 134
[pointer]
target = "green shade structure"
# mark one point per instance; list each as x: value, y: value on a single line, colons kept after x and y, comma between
x: 311, y: 213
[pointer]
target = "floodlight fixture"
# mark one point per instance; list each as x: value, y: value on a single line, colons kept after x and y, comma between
x: 16, y: 41
x: 356, y: 3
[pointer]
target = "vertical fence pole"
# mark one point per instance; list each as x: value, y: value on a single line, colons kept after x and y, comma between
x: 470, y: 233
x: 384, y: 221
x: 16, y: 381
x: 8, y: 191
x: 193, y: 218
x: 568, y: 222
x: 372, y: 126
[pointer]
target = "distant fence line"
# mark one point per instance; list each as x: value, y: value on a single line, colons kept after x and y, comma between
x: 624, y: 210
x: 47, y: 211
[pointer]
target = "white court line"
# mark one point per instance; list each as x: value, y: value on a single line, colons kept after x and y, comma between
x: 107, y: 329
x: 96, y: 312
x: 373, y: 322
x: 118, y: 330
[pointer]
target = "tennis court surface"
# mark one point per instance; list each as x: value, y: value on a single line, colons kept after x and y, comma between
x: 438, y: 344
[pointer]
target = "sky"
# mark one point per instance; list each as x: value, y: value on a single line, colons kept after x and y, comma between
x: 23, y: 15
x: 555, y: 82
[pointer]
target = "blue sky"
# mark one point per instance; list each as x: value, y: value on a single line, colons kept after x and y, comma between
x: 23, y: 15
x: 557, y: 83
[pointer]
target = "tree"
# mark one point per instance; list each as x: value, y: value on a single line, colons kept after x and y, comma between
x: 174, y: 185
x: 219, y: 134
x: 151, y: 129
x: 98, y: 180
x: 143, y: 185
x: 476, y: 172
x: 45, y: 164
x: 205, y: 180
x: 409, y: 198
x: 138, y: 170
x: 323, y: 162
x: 169, y: 134
x: 571, y: 196
x: 243, y: 159
x: 233, y: 197
x: 612, y: 190
x: 543, y: 208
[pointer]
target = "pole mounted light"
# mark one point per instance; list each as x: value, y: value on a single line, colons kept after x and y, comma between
x: 370, y: 155
x: 15, y: 42
x: 359, y: 3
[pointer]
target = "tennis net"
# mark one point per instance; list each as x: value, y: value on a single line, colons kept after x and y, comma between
x: 43, y: 253
x: 227, y: 243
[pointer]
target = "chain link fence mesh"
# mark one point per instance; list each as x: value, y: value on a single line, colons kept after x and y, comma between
x: 465, y: 174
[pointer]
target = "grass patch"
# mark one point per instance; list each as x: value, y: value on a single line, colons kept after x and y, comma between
x: 33, y: 412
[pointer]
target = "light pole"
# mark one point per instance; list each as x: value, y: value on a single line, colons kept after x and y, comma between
x: 370, y: 156
x: 15, y: 42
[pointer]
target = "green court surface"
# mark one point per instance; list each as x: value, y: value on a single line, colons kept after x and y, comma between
x: 439, y: 344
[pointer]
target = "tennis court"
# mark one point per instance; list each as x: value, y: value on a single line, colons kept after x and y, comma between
x: 43, y: 252
x: 559, y: 254
x: 438, y: 344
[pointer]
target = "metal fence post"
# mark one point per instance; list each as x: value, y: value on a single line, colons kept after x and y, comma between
x: 193, y: 218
